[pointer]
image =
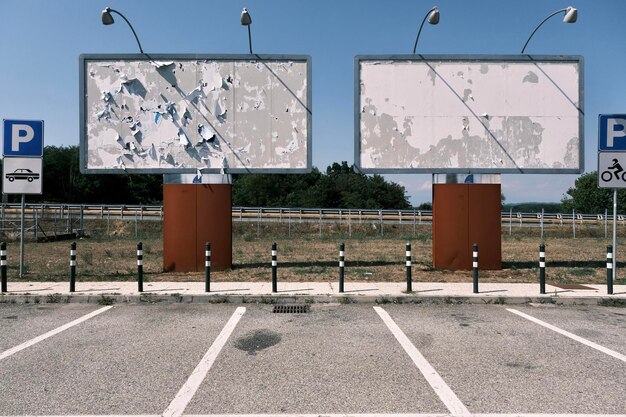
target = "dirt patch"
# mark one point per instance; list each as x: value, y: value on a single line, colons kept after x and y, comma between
x: 307, y: 258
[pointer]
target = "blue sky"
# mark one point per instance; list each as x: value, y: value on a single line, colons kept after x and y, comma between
x: 41, y: 40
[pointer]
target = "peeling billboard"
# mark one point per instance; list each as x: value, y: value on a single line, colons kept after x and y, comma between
x: 463, y: 114
x: 183, y: 113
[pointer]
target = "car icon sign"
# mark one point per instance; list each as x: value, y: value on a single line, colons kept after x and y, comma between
x: 22, y: 174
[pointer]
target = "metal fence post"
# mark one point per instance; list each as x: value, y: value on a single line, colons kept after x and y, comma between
x: 82, y: 220
x: 139, y: 267
x: 342, y: 258
x: 36, y: 212
x: 207, y: 267
x: 409, y: 279
x: 320, y: 223
x: 3, y: 265
x: 542, y: 269
x: 73, y: 267
x: 274, y: 268
x: 475, y: 267
x: 69, y: 219
x: 349, y: 223
x: 609, y: 269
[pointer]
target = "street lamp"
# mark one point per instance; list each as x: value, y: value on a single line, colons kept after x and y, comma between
x: 246, y: 20
x: 433, y: 19
x: 571, y: 14
x: 107, y: 19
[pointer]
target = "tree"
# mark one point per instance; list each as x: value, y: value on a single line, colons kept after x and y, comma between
x: 64, y: 183
x: 339, y: 187
x: 586, y: 197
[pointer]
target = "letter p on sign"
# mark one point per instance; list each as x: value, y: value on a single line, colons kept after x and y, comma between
x: 23, y: 138
x: 616, y: 128
x: 21, y: 134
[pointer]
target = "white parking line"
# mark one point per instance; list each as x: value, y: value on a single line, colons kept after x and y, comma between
x: 321, y: 415
x: 445, y: 393
x: 404, y: 415
x: 188, y: 390
x: 51, y: 333
x: 596, y: 346
x: 340, y: 415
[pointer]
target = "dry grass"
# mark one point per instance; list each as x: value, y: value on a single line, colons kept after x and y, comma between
x: 305, y: 256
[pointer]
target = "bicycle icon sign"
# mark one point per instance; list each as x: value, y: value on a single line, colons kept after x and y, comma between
x: 612, y: 169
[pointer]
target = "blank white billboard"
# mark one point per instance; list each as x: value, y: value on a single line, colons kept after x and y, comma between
x: 181, y: 113
x: 496, y: 114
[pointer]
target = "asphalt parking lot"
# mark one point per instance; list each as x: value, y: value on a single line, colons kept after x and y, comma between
x: 230, y: 359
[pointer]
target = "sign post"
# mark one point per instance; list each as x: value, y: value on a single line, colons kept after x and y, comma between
x: 22, y: 169
x: 611, y: 163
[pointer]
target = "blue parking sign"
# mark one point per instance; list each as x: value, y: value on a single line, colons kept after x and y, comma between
x: 612, y: 132
x: 23, y: 138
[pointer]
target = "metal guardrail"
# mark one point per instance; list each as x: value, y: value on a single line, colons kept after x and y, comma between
x: 141, y: 212
x: 64, y: 211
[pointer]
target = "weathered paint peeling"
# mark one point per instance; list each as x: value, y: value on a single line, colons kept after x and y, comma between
x: 196, y: 114
x: 431, y: 115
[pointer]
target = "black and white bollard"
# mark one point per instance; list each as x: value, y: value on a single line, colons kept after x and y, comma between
x: 609, y: 269
x: 73, y: 267
x: 475, y: 267
x: 139, y: 267
x: 409, y: 279
x: 542, y: 269
x: 274, y: 268
x: 207, y: 267
x: 342, y: 264
x: 3, y: 265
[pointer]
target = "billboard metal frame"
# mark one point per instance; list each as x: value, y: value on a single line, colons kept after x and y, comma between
x: 84, y: 58
x: 574, y: 59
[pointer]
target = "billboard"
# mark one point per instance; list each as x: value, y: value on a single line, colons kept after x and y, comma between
x: 180, y: 113
x: 469, y: 114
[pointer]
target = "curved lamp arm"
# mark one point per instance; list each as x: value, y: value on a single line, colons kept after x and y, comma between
x: 107, y: 19
x: 571, y: 14
x: 433, y: 19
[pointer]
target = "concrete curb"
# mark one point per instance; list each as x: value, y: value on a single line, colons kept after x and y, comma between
x: 154, y: 298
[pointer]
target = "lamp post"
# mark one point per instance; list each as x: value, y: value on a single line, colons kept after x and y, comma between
x: 571, y: 14
x: 433, y: 19
x: 246, y: 20
x: 107, y: 19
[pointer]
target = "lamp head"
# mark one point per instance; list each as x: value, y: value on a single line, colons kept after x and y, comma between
x: 433, y: 17
x: 107, y: 19
x: 246, y: 20
x: 571, y: 15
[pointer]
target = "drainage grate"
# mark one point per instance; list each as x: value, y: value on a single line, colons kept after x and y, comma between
x: 291, y: 309
x: 573, y: 287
